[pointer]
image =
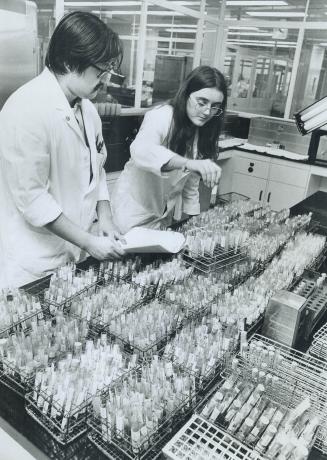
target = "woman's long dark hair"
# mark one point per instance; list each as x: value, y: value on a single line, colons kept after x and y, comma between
x: 183, y: 129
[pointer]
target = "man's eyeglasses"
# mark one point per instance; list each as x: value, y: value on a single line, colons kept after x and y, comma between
x: 105, y: 72
x: 203, y: 104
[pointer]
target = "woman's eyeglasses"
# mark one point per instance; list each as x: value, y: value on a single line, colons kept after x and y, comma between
x: 203, y: 104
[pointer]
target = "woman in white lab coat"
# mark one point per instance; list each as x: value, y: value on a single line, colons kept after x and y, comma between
x: 52, y: 181
x: 175, y: 147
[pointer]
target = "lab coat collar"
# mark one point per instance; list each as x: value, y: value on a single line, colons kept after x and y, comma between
x: 60, y: 102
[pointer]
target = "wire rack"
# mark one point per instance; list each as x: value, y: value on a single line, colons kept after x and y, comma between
x: 17, y: 380
x: 281, y: 393
x: 220, y: 259
x: 118, y: 445
x: 302, y: 372
x: 64, y: 429
x: 23, y: 322
x: 99, y: 320
x: 64, y: 426
x: 41, y: 288
x: 183, y: 316
x: 203, y: 440
x: 289, y: 364
x: 318, y: 347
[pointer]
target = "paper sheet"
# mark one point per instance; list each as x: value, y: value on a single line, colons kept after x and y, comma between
x: 140, y: 239
x: 275, y: 152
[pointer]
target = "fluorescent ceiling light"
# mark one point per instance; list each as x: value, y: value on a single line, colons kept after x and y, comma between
x: 276, y: 14
x: 256, y: 3
x: 184, y: 26
x: 103, y: 4
x: 256, y: 34
x: 184, y: 31
x: 261, y: 44
x: 242, y: 28
x: 322, y: 44
x: 132, y: 13
x: 126, y: 3
x: 267, y: 42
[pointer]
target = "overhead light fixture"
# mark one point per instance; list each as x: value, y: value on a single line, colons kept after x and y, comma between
x: 312, y: 117
x: 266, y: 42
x: 322, y: 44
x: 184, y: 26
x: 256, y: 3
x: 260, y: 44
x: 276, y: 14
x: 138, y: 12
x: 183, y: 31
x: 243, y: 28
x: 104, y: 4
x: 252, y: 34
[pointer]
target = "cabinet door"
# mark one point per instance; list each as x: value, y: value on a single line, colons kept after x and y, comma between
x: 252, y: 187
x: 281, y: 196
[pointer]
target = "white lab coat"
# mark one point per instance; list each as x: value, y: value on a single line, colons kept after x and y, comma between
x: 144, y: 195
x: 44, y: 171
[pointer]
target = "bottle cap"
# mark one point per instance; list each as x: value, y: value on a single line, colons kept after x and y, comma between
x: 249, y: 422
x: 264, y: 420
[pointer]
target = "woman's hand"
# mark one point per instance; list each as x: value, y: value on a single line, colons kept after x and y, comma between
x: 208, y: 170
x: 104, y: 247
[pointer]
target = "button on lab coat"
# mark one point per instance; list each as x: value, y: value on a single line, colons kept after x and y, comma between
x: 45, y: 171
x: 144, y: 195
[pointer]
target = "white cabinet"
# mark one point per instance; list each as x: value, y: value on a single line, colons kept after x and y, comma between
x: 280, y: 183
x: 281, y: 196
x: 253, y: 187
x: 287, y: 184
x: 250, y: 175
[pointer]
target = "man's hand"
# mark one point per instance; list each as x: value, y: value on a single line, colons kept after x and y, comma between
x: 107, y: 228
x: 104, y: 247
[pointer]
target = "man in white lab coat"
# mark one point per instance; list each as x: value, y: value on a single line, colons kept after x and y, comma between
x: 52, y: 181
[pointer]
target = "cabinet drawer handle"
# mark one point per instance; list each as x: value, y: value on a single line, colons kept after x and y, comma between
x: 260, y: 195
x: 251, y: 164
x: 269, y: 195
x: 250, y: 169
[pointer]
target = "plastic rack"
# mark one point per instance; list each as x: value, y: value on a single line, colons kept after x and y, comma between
x: 203, y: 440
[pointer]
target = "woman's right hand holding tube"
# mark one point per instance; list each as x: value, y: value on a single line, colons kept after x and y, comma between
x: 208, y: 170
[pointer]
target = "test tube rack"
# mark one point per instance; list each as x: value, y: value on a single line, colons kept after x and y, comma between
x: 302, y: 372
x: 116, y: 444
x: 67, y: 425
x: 318, y: 348
x: 203, y: 440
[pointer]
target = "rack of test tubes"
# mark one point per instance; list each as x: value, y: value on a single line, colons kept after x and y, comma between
x: 67, y: 282
x: 18, y: 310
x: 61, y: 394
x: 131, y: 419
x: 264, y: 358
x: 272, y: 417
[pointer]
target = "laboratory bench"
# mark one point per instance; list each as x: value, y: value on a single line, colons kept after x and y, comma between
x: 20, y: 431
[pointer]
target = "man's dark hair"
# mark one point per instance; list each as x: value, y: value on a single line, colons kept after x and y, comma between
x: 182, y: 128
x: 80, y: 40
